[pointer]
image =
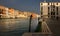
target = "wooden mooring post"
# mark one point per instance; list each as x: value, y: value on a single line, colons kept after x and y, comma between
x: 30, y: 23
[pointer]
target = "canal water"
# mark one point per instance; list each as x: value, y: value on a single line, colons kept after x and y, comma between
x: 16, y: 27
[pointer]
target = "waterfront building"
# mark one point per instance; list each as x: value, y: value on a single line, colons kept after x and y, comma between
x: 50, y: 9
x: 50, y: 13
x: 7, y: 13
x: 3, y: 12
x: 12, y: 12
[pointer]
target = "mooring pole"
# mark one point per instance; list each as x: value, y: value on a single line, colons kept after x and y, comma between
x: 30, y: 23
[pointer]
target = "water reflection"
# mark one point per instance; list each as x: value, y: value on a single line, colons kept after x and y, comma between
x: 9, y: 24
x: 15, y: 27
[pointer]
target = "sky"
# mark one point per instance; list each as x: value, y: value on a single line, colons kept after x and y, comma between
x: 24, y: 5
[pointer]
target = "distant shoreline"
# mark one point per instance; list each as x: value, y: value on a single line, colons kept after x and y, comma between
x: 19, y: 18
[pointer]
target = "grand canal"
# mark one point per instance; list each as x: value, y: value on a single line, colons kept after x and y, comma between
x: 16, y: 27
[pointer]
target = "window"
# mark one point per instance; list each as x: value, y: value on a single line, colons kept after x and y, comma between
x: 41, y: 16
x: 52, y: 13
x: 48, y: 3
x: 41, y: 10
x: 48, y: 13
x: 53, y: 10
x: 53, y: 6
x: 1, y: 11
x: 57, y: 10
x: 57, y: 17
x: 41, y: 3
x: 56, y: 3
x: 48, y: 9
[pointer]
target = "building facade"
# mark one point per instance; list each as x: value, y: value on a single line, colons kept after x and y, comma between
x: 6, y: 12
x: 50, y: 10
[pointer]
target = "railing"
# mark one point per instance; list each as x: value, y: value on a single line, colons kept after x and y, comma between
x: 45, y: 28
